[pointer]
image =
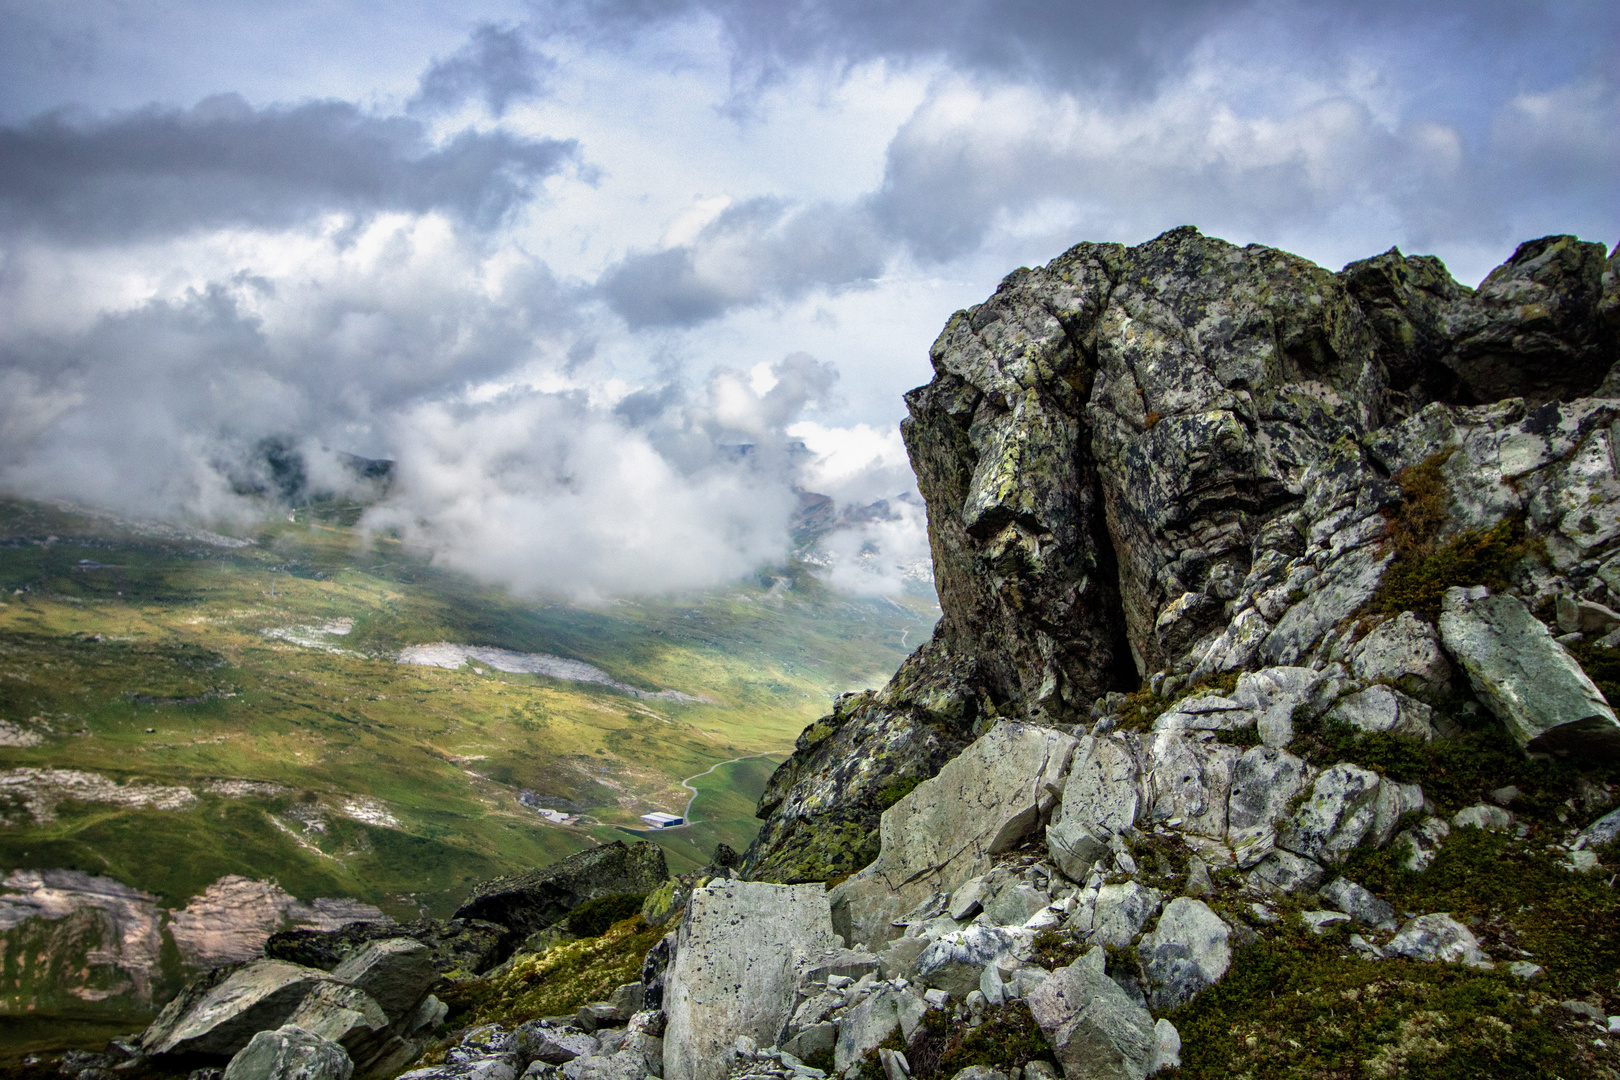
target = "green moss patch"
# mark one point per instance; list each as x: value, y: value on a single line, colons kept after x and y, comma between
x: 1302, y: 1009
x: 556, y: 982
x: 1457, y: 772
x: 1519, y: 899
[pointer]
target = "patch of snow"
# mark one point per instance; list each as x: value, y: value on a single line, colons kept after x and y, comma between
x: 445, y: 654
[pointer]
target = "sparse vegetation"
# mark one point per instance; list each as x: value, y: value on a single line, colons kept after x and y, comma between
x: 555, y: 982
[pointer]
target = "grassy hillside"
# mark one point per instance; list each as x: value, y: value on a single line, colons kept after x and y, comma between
x: 263, y: 679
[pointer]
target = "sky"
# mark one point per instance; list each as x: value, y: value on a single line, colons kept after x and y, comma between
x: 611, y: 281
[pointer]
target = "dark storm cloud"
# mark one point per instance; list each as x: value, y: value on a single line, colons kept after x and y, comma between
x: 496, y: 66
x: 158, y: 172
x: 755, y: 251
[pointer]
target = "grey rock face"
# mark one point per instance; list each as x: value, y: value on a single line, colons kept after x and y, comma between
x: 1438, y: 937
x: 396, y: 973
x: 256, y: 997
x: 1097, y: 1032
x: 947, y: 829
x: 460, y: 947
x: 1527, y: 678
x: 344, y: 1014
x: 525, y: 903
x: 1405, y: 651
x: 954, y: 962
x: 1348, y: 806
x: 1264, y: 782
x: 1121, y: 482
x: 1074, y: 849
x: 290, y: 1053
x: 735, y: 969
x: 874, y: 1020
x: 1121, y: 912
x: 1189, y: 950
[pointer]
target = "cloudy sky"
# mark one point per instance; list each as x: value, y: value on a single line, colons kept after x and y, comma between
x: 588, y: 270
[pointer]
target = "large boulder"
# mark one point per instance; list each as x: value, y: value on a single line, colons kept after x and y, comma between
x: 1189, y: 950
x: 531, y: 901
x: 397, y: 973
x: 344, y: 1014
x: 1526, y: 677
x: 735, y: 970
x: 255, y: 997
x: 290, y: 1053
x: 1096, y: 1030
x: 986, y: 801
x: 871, y: 1022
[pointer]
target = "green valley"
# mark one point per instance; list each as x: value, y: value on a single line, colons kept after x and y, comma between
x: 178, y: 708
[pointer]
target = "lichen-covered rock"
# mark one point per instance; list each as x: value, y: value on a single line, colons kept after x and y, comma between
x: 290, y: 1053
x: 948, y: 828
x: 1096, y: 1030
x: 734, y: 971
x: 256, y: 997
x: 953, y: 962
x: 822, y: 806
x: 871, y: 1022
x: 1121, y: 911
x: 1526, y: 677
x: 1348, y: 806
x: 1381, y: 709
x: 1438, y: 937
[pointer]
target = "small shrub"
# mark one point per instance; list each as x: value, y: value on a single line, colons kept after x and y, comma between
x: 592, y: 918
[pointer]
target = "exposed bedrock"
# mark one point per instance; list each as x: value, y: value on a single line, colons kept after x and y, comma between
x: 1178, y: 460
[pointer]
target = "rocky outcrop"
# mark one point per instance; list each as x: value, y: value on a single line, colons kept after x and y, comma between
x: 1179, y: 460
x: 459, y: 948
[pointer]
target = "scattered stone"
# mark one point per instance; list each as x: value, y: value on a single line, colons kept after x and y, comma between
x: 1438, y: 937
x: 290, y: 1053
x: 1404, y: 651
x: 733, y: 972
x: 1285, y: 872
x: 1360, y: 904
x: 1529, y: 680
x: 1504, y: 796
x: 1188, y: 951
x: 1525, y: 970
x: 1166, y: 1048
x: 1602, y: 831
x: 1317, y: 922
x: 538, y: 1041
x: 598, y: 1014
x: 1423, y: 842
x: 1198, y: 879
x: 1482, y: 816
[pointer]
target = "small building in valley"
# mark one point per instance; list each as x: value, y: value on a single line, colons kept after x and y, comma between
x: 662, y: 820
